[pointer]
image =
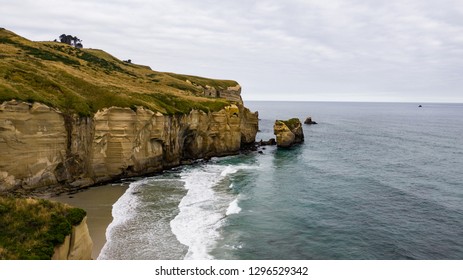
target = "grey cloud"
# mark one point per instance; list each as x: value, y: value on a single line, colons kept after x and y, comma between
x: 305, y: 49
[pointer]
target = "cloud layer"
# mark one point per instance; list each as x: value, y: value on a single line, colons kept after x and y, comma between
x: 278, y: 50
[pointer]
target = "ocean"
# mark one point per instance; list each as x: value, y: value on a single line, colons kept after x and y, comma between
x: 371, y: 181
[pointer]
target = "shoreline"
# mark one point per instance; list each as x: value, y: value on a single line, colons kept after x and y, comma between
x: 97, y: 202
x: 60, y: 190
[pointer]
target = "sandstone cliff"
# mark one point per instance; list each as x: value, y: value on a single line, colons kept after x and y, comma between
x: 76, y: 246
x: 41, y: 146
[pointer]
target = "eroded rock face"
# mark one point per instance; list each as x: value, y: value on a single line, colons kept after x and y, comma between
x: 249, y: 125
x: 232, y: 93
x: 143, y: 141
x: 288, y: 132
x: 40, y: 146
x: 32, y: 143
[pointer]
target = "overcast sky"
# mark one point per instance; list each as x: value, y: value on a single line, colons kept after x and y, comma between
x: 315, y: 50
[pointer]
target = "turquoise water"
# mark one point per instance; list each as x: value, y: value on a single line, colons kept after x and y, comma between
x: 371, y: 181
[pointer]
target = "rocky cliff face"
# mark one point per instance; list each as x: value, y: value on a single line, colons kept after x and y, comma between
x: 77, y: 246
x: 32, y: 144
x: 230, y: 93
x: 41, y: 146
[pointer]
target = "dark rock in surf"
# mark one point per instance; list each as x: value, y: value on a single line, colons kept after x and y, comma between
x: 309, y: 120
x: 269, y: 142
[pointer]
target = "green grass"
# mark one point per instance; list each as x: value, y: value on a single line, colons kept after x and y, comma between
x: 291, y: 123
x: 31, y: 228
x: 83, y: 81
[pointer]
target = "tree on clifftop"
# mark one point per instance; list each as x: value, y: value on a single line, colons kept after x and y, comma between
x: 71, y: 40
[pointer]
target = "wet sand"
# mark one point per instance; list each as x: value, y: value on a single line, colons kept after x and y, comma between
x: 97, y: 201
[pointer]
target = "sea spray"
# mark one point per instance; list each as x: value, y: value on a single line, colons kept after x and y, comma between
x: 233, y: 208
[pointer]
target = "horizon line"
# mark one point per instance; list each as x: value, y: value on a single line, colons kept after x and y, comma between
x: 357, y: 101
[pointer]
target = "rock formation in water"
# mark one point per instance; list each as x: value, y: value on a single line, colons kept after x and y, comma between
x: 288, y: 132
x: 309, y: 121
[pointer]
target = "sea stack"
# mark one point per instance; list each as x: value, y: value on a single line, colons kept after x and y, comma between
x: 309, y: 120
x: 288, y: 132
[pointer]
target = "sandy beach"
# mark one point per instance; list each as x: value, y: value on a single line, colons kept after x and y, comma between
x: 97, y: 201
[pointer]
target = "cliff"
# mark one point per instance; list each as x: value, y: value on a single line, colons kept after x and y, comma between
x: 41, y: 146
x: 80, y: 117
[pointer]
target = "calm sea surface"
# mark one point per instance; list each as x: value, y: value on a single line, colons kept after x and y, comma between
x: 371, y: 181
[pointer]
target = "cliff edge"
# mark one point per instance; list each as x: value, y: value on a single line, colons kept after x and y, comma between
x: 42, y: 229
x: 76, y: 246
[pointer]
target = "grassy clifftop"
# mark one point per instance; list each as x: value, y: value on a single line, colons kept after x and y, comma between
x: 31, y: 228
x: 83, y: 81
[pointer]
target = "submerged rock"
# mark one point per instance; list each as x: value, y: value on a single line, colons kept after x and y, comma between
x: 288, y: 132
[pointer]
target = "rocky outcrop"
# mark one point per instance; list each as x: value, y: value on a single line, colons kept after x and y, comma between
x: 77, y: 246
x: 41, y: 146
x: 231, y: 93
x: 269, y: 142
x: 309, y: 121
x: 288, y: 132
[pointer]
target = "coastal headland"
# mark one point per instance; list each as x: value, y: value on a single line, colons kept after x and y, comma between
x: 80, y: 117
x: 71, y: 118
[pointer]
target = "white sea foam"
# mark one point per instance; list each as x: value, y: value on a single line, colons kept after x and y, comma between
x: 233, y: 208
x: 122, y: 211
x: 229, y: 170
x: 203, y: 209
x: 141, y: 227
